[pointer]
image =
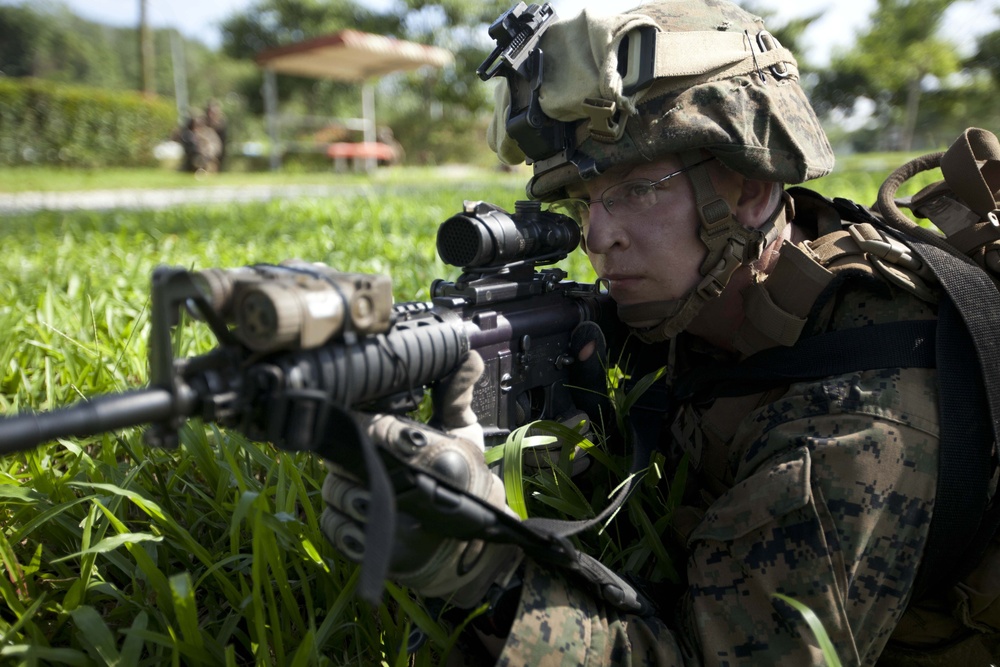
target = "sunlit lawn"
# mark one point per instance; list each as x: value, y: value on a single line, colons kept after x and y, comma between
x: 211, y: 554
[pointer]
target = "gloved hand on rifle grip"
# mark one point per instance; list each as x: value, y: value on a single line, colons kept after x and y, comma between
x: 422, y: 559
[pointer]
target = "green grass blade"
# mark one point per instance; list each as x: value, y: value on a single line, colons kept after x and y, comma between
x: 133, y: 644
x: 95, y: 636
x: 825, y: 645
x: 417, y: 614
x: 24, y: 654
x: 23, y: 620
x: 13, y: 570
x: 185, y: 608
x: 305, y: 654
x: 513, y: 477
x: 112, y: 543
x: 513, y: 474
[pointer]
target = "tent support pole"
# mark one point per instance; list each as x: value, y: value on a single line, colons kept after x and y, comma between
x: 368, y: 113
x: 270, y: 91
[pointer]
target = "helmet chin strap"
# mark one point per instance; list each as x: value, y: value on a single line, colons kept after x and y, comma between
x: 730, y: 246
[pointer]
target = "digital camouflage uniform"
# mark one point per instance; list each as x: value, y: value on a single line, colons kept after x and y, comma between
x: 822, y: 492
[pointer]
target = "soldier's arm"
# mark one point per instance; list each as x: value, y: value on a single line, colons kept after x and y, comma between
x: 559, y: 624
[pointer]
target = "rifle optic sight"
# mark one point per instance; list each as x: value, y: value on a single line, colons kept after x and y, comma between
x: 484, y: 236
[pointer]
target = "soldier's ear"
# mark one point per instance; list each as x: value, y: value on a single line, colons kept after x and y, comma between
x: 756, y: 201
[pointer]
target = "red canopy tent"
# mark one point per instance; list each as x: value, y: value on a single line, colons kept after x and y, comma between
x: 348, y: 55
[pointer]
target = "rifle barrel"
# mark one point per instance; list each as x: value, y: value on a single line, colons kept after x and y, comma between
x: 98, y: 415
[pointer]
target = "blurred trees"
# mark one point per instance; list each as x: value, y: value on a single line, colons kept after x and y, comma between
x: 987, y: 56
x: 57, y: 45
x: 47, y: 41
x: 50, y: 42
x: 921, y: 90
x: 902, y: 33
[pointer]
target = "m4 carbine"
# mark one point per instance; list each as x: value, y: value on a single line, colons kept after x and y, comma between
x: 300, y: 345
x: 297, y: 337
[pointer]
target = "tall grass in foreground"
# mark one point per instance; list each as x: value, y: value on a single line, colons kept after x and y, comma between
x: 211, y: 554
x: 115, y: 553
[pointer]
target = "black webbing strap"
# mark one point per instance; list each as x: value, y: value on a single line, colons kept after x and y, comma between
x: 969, y: 379
x: 906, y: 344
x: 958, y: 532
x: 337, y: 425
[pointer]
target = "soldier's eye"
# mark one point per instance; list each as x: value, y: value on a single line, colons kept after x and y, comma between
x: 639, y: 189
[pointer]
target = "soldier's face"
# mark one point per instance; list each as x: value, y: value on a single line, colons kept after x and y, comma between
x: 649, y: 255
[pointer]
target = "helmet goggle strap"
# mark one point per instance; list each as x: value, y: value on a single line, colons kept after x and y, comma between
x: 730, y: 245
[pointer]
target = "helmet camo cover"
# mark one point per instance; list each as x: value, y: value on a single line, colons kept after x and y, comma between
x: 720, y: 83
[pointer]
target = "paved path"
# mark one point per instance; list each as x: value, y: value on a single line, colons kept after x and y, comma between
x: 152, y: 199
x: 103, y: 200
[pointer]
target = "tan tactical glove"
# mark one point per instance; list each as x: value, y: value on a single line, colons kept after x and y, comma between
x: 422, y: 559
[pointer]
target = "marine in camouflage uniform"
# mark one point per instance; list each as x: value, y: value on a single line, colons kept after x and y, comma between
x: 821, y: 490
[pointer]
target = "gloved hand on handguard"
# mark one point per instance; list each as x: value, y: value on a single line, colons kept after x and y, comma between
x: 422, y: 558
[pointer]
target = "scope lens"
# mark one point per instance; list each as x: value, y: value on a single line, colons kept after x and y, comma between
x: 464, y: 241
x: 490, y: 237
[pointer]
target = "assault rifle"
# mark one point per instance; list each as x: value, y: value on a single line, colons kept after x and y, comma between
x: 300, y: 345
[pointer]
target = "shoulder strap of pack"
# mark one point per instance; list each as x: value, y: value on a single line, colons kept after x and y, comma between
x: 968, y: 353
x: 965, y: 206
x: 907, y: 344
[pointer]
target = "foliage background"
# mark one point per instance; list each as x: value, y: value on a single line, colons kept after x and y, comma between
x: 75, y: 126
x: 933, y: 89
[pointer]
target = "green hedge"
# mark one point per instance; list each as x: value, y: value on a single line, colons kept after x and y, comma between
x: 46, y: 123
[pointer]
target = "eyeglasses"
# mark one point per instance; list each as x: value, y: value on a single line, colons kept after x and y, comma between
x: 625, y: 198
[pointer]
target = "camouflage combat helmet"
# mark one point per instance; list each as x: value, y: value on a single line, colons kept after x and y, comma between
x: 674, y: 77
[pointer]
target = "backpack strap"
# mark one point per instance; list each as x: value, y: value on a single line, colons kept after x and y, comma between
x: 965, y: 515
x: 906, y: 344
x: 966, y: 207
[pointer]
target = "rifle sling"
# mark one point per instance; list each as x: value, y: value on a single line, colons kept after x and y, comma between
x: 338, y: 426
x: 965, y: 516
x: 906, y: 344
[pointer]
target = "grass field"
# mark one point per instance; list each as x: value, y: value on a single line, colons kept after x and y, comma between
x: 210, y: 554
x: 112, y: 552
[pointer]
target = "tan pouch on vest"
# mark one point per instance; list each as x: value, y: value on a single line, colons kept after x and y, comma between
x: 960, y: 627
x: 976, y: 599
